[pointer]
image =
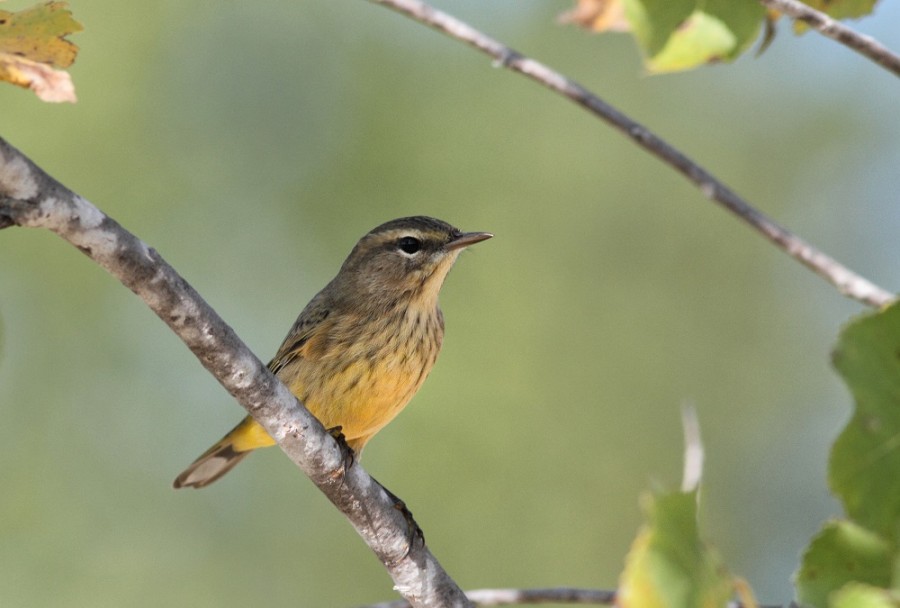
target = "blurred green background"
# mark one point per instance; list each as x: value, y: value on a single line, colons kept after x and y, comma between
x: 253, y: 144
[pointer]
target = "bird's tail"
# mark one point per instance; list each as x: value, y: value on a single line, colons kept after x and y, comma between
x: 224, y: 455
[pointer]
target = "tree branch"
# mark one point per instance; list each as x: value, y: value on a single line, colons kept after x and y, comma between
x: 509, y: 597
x: 845, y: 280
x: 29, y: 197
x: 825, y: 25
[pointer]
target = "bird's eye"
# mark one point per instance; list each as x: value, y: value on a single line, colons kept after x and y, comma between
x: 409, y: 244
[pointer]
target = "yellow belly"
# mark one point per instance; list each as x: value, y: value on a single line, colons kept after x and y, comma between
x: 361, y: 396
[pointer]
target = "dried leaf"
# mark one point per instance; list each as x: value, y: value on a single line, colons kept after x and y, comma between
x: 48, y: 84
x: 598, y: 15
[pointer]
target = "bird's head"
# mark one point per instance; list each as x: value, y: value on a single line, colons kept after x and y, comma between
x: 405, y: 258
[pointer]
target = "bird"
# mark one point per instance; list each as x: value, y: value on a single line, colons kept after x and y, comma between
x: 363, y: 345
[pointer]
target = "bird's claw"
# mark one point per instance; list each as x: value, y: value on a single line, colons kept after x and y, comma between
x: 348, y: 457
x: 415, y: 532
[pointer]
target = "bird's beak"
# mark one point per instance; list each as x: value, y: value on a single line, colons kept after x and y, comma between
x: 468, y: 238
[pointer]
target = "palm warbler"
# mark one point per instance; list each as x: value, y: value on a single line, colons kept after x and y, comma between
x: 363, y: 345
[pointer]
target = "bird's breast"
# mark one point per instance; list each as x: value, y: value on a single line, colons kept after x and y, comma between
x: 371, y: 371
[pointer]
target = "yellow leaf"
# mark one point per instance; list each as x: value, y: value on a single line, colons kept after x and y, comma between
x: 32, y: 41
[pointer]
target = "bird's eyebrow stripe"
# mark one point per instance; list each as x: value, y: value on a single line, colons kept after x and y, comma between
x: 428, y: 238
x: 400, y: 232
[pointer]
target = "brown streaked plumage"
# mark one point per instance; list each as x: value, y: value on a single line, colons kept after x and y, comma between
x: 364, y: 344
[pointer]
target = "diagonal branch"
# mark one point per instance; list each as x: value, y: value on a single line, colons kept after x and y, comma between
x: 831, y: 28
x: 29, y: 197
x: 845, y: 280
x: 552, y: 595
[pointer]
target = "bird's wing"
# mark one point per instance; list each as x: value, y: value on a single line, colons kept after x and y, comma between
x: 305, y: 338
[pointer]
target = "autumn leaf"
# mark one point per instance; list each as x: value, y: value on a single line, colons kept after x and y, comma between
x: 676, y: 34
x: 33, y: 43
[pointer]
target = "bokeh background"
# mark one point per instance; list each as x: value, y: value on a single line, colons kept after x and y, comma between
x: 252, y: 144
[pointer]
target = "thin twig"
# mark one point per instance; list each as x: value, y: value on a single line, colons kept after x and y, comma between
x: 556, y: 595
x: 511, y: 597
x: 562, y: 595
x: 31, y: 198
x: 845, y: 280
x: 825, y: 25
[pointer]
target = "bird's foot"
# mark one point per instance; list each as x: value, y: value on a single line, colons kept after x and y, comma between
x: 414, y: 531
x: 348, y: 456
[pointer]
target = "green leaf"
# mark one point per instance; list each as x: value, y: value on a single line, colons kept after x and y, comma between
x: 842, y: 552
x: 654, y: 21
x: 668, y: 565
x: 743, y: 19
x: 864, y: 468
x: 683, y: 34
x: 856, y: 595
